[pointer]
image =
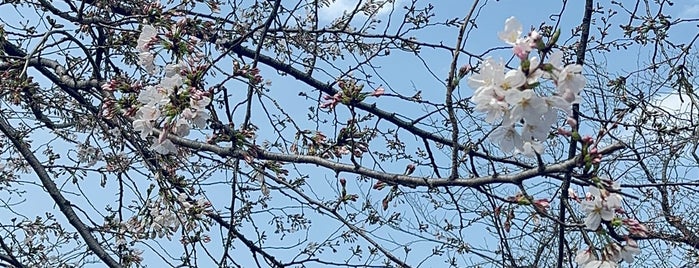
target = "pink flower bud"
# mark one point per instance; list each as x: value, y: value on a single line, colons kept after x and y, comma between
x: 573, y: 195
x: 378, y: 92
x: 542, y: 203
x: 564, y: 132
x: 520, y: 52
x: 409, y: 169
x: 379, y: 185
x: 571, y: 122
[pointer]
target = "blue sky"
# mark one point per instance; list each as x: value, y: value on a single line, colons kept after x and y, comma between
x: 405, y: 75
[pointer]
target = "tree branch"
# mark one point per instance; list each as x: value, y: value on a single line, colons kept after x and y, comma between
x: 572, y: 148
x: 62, y: 203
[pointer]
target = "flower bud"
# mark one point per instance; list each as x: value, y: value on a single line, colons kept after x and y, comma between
x: 564, y: 132
x: 378, y: 92
x: 409, y: 169
x: 379, y: 185
x: 554, y: 38
x: 464, y: 70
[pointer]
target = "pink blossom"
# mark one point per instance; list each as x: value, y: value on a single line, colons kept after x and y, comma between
x: 542, y: 204
x: 378, y: 92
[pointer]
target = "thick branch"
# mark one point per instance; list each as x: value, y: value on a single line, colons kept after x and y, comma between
x: 572, y: 149
x: 513, y: 178
x: 62, y: 203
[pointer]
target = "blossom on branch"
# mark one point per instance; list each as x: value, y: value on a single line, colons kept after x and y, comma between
x: 512, y: 96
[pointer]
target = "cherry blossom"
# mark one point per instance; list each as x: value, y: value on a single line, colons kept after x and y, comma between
x: 181, y: 126
x: 490, y: 74
x: 165, y: 147
x: 378, y: 92
x: 153, y: 96
x: 521, y: 46
x: 513, y: 79
x: 525, y: 104
x: 584, y: 256
x: 570, y: 82
x: 512, y: 32
x: 534, y: 73
x: 596, y: 211
x: 559, y: 103
x: 634, y: 227
x: 488, y: 101
x: 144, y: 120
x: 531, y: 148
x: 629, y: 251
x: 535, y: 130
x: 508, y: 138
x: 148, y: 32
x: 171, y: 82
x: 510, y: 95
x: 145, y: 57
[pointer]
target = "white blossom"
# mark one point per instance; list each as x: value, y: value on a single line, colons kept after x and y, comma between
x: 88, y: 154
x: 491, y: 73
x: 535, y: 130
x: 596, y: 209
x: 513, y: 79
x: 181, y: 126
x: 525, y: 104
x: 147, y: 34
x: 584, y: 256
x: 512, y: 31
x: 147, y: 61
x: 629, y: 251
x: 164, y: 147
x: 531, y: 148
x: 144, y: 120
x: 171, y: 82
x: 570, y: 80
x: 488, y: 101
x: 153, y: 96
x: 508, y: 138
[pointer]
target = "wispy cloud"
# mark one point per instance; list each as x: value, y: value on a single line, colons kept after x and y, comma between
x: 690, y: 10
x: 674, y: 103
x: 335, y: 9
x: 338, y: 7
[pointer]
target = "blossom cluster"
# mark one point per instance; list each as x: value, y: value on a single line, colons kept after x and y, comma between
x: 163, y: 219
x: 172, y: 103
x: 511, y: 96
x: 612, y: 254
x: 88, y: 154
x: 601, y: 204
x: 526, y: 113
x: 146, y: 40
x: 350, y: 92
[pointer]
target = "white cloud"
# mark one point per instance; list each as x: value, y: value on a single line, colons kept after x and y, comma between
x: 338, y: 7
x: 335, y: 10
x: 673, y: 103
x: 690, y: 10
